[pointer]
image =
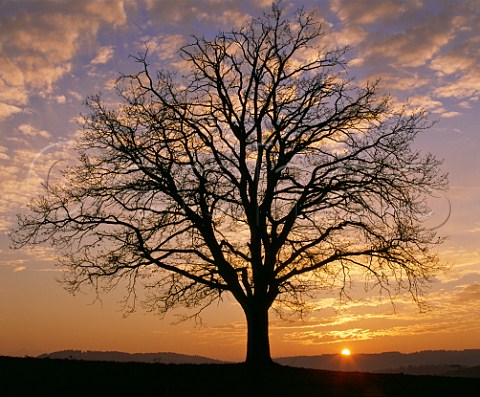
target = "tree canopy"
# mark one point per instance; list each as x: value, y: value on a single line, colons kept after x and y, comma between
x: 261, y: 170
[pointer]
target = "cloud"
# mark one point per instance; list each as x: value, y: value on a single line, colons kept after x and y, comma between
x: 417, y: 37
x: 405, y: 48
x: 11, y: 83
x: 375, y: 328
x: 403, y: 82
x: 109, y: 11
x: 447, y: 115
x: 40, y: 40
x: 15, y: 264
x: 425, y: 102
x: 232, y: 18
x: 454, y: 62
x: 103, y: 56
x: 465, y: 86
x: 370, y: 11
x: 368, y: 319
x: 23, y: 170
x: 3, y: 153
x: 465, y: 104
x: 164, y: 46
x: 7, y: 110
x: 29, y: 130
x: 60, y: 99
x: 349, y: 35
x: 75, y: 95
x: 457, y: 68
x: 214, y: 14
x: 470, y: 294
x: 400, y: 22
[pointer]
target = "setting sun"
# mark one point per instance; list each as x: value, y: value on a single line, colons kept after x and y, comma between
x: 345, y: 352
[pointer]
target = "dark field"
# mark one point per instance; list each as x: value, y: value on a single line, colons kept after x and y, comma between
x: 48, y: 377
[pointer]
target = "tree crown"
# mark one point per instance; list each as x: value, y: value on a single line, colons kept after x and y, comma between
x: 263, y: 172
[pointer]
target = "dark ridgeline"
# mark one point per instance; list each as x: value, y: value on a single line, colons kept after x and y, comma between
x: 163, y: 358
x: 428, y: 362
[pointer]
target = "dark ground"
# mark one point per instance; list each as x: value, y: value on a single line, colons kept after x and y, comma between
x: 49, y: 377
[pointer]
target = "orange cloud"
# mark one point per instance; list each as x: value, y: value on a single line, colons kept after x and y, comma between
x: 103, y: 56
x: 38, y: 45
x: 370, y: 11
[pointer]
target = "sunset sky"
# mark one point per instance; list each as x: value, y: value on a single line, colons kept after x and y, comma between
x: 53, y: 54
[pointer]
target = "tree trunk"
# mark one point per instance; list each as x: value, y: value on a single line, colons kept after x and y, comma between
x: 258, y: 343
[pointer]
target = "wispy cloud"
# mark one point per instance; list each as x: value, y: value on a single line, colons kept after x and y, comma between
x: 164, y: 46
x: 29, y: 130
x: 103, y: 56
x: 39, y: 44
x: 366, y: 12
x: 7, y: 110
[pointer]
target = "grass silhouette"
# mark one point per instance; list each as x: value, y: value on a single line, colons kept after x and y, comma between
x: 51, y: 377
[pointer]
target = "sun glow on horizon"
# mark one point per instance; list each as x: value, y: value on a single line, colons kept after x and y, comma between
x: 346, y: 352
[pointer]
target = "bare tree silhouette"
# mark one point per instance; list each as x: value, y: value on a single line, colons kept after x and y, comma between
x: 264, y: 173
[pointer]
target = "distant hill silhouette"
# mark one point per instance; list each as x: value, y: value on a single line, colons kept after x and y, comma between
x: 472, y: 372
x: 429, y: 362
x: 461, y: 363
x: 164, y: 358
